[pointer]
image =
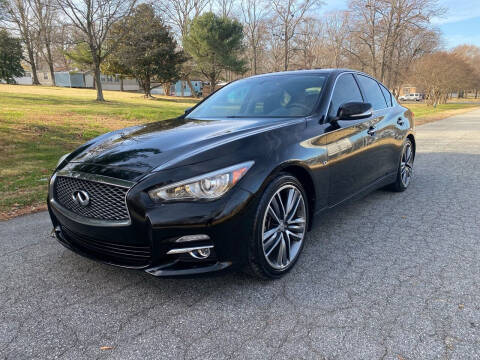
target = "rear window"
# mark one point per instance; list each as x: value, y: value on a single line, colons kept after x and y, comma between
x: 372, y: 92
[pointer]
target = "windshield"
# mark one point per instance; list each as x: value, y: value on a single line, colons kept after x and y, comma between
x: 268, y: 96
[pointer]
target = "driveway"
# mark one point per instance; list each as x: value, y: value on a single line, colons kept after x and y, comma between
x: 393, y: 276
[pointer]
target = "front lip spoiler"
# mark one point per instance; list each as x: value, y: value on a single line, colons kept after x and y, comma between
x: 163, y: 270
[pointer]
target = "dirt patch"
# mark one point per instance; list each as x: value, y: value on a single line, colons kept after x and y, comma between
x: 14, y: 212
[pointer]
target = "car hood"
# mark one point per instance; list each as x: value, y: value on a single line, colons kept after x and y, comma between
x: 145, y: 147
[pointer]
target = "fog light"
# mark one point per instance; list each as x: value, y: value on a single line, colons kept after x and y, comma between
x: 197, y: 237
x: 200, y: 253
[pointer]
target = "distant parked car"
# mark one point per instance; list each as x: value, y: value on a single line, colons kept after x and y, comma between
x: 411, y: 97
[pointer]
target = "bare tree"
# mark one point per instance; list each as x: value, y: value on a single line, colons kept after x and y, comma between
x: 411, y: 45
x: 44, y: 12
x: 20, y: 13
x: 290, y: 14
x: 93, y: 19
x: 179, y: 13
x: 336, y: 36
x: 380, y: 27
x: 308, y: 43
x: 225, y: 7
x: 471, y: 55
x: 441, y: 73
x: 254, y: 13
x: 274, y: 46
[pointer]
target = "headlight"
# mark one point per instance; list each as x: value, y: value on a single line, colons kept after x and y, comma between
x: 209, y: 186
x: 61, y: 159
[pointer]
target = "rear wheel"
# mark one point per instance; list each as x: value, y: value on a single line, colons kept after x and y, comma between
x: 280, y: 228
x: 405, y: 169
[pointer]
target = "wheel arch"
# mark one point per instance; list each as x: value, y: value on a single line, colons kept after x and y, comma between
x: 412, y: 139
x: 305, y: 178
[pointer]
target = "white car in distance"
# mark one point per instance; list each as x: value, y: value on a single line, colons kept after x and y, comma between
x: 411, y: 97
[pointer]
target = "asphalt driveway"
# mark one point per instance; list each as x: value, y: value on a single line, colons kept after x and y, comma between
x: 393, y: 276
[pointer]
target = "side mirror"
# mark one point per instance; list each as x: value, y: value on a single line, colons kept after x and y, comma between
x: 354, y: 111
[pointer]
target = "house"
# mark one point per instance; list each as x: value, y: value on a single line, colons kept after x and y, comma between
x: 409, y: 89
x: 75, y: 79
x: 207, y: 90
x: 70, y: 79
x: 180, y: 88
x: 44, y: 77
x: 114, y: 82
x: 26, y: 79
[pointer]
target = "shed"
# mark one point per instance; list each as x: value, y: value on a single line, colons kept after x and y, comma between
x: 70, y: 79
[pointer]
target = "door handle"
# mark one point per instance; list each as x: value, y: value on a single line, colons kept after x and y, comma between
x: 371, y: 131
x: 400, y: 121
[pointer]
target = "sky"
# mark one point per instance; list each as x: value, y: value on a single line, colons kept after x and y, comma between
x: 460, y: 24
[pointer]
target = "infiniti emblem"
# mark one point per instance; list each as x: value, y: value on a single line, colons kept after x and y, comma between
x: 81, y: 197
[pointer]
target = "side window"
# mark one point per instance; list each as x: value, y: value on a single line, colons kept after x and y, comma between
x: 373, y: 93
x: 346, y: 90
x: 387, y: 95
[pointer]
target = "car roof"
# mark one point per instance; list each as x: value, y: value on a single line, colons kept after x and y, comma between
x: 331, y: 71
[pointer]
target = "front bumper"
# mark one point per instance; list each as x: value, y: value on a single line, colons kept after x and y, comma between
x: 152, y: 232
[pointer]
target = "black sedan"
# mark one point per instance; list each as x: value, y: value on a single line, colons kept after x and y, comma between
x: 236, y: 180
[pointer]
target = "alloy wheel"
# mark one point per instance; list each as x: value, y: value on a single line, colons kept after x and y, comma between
x: 406, y: 165
x: 284, y: 227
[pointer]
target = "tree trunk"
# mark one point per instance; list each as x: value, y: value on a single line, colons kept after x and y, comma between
x: 98, y: 82
x: 254, y: 60
x: 33, y: 65
x: 121, y: 83
x: 190, y: 85
x: 50, y: 62
x: 213, y: 83
x: 52, y: 73
x: 146, y: 87
x: 166, y: 89
x: 285, y: 55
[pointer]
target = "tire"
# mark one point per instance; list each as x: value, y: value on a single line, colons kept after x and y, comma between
x: 278, y: 238
x: 405, y: 168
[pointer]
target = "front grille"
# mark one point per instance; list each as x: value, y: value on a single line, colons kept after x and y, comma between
x: 135, y: 255
x: 107, y: 202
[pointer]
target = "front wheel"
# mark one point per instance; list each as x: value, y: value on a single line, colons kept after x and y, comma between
x: 405, y: 169
x: 280, y: 228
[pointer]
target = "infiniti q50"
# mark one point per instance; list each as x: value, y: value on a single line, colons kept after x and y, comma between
x: 236, y: 181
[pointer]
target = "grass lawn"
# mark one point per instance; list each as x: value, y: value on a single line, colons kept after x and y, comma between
x: 425, y: 114
x: 39, y: 124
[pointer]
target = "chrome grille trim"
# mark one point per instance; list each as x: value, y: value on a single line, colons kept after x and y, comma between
x: 105, y: 180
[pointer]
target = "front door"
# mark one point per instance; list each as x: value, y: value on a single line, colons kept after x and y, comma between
x: 347, y: 143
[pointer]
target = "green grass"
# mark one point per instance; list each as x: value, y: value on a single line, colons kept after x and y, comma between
x: 423, y: 111
x: 39, y: 124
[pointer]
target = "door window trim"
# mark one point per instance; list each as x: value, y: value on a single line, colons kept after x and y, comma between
x: 391, y: 96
